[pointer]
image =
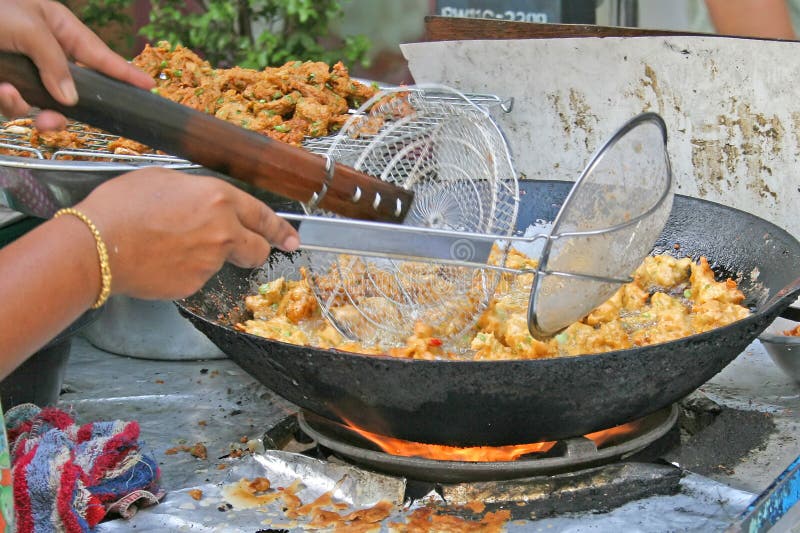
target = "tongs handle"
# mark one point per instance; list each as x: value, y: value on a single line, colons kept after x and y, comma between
x: 292, y: 172
x: 392, y: 241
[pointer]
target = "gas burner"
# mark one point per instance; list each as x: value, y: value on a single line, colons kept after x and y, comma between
x: 567, y: 455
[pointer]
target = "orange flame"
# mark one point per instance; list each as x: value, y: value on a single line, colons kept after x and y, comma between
x: 606, y: 435
x: 478, y: 454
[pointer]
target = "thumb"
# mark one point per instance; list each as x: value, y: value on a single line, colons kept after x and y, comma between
x: 259, y: 218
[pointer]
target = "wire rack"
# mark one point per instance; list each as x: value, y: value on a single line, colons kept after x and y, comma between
x: 96, y: 147
x: 322, y: 145
x: 97, y: 143
x: 450, y: 151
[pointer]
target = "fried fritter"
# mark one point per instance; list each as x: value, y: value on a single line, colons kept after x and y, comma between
x: 288, y: 103
x: 668, y: 299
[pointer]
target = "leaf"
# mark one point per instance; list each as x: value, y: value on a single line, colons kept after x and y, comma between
x: 284, y: 29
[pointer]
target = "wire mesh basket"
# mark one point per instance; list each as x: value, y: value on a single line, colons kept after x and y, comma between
x: 438, y: 143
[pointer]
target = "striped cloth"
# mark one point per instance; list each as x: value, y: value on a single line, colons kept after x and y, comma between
x: 67, y: 478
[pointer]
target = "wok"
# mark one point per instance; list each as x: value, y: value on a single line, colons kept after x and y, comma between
x: 510, y: 402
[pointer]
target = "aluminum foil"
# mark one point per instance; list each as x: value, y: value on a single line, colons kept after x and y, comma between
x: 214, y: 512
x: 702, y: 505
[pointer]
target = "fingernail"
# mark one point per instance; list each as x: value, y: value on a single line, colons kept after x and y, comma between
x: 68, y: 92
x: 291, y: 244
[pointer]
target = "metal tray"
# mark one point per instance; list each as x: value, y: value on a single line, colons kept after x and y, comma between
x: 39, y: 186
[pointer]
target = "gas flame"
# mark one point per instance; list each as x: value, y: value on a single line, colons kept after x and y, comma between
x: 603, y: 436
x: 479, y: 454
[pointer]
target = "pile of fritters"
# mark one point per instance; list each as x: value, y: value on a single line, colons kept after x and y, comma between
x: 668, y: 299
x: 287, y: 103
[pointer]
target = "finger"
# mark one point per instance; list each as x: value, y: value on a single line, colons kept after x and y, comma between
x: 11, y: 103
x: 50, y: 121
x: 251, y: 250
x: 87, y: 48
x: 45, y: 51
x: 256, y: 216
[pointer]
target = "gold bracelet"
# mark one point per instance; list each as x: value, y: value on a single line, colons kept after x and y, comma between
x: 102, y: 253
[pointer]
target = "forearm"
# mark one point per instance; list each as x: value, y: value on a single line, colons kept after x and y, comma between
x: 166, y: 233
x: 751, y: 18
x: 48, y: 278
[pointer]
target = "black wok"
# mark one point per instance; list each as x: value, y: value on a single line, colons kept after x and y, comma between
x: 511, y: 402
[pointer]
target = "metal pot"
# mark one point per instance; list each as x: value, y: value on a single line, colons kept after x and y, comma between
x: 148, y: 329
x: 782, y: 349
x: 509, y: 402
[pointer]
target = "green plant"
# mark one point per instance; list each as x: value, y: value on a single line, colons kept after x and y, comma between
x: 102, y: 14
x: 248, y: 33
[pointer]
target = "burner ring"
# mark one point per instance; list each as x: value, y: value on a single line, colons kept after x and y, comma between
x: 579, y: 453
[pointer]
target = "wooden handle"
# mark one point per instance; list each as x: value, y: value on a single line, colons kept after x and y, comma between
x: 464, y: 29
x: 128, y: 111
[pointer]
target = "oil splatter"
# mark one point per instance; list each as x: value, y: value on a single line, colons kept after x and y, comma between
x: 796, y: 130
x: 651, y: 80
x: 707, y: 159
x: 583, y: 117
x: 714, y: 69
x: 566, y: 125
x: 576, y: 115
x: 737, y: 149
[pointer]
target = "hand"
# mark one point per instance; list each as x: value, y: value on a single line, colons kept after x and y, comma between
x: 167, y: 232
x: 48, y: 33
x: 767, y: 19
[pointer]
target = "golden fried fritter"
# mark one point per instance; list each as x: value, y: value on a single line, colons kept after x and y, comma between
x: 668, y: 299
x: 287, y: 103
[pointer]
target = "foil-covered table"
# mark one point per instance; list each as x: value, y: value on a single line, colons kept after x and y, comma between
x: 181, y: 403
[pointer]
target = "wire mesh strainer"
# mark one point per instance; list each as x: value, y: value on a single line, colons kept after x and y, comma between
x: 609, y: 222
x: 435, y: 141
